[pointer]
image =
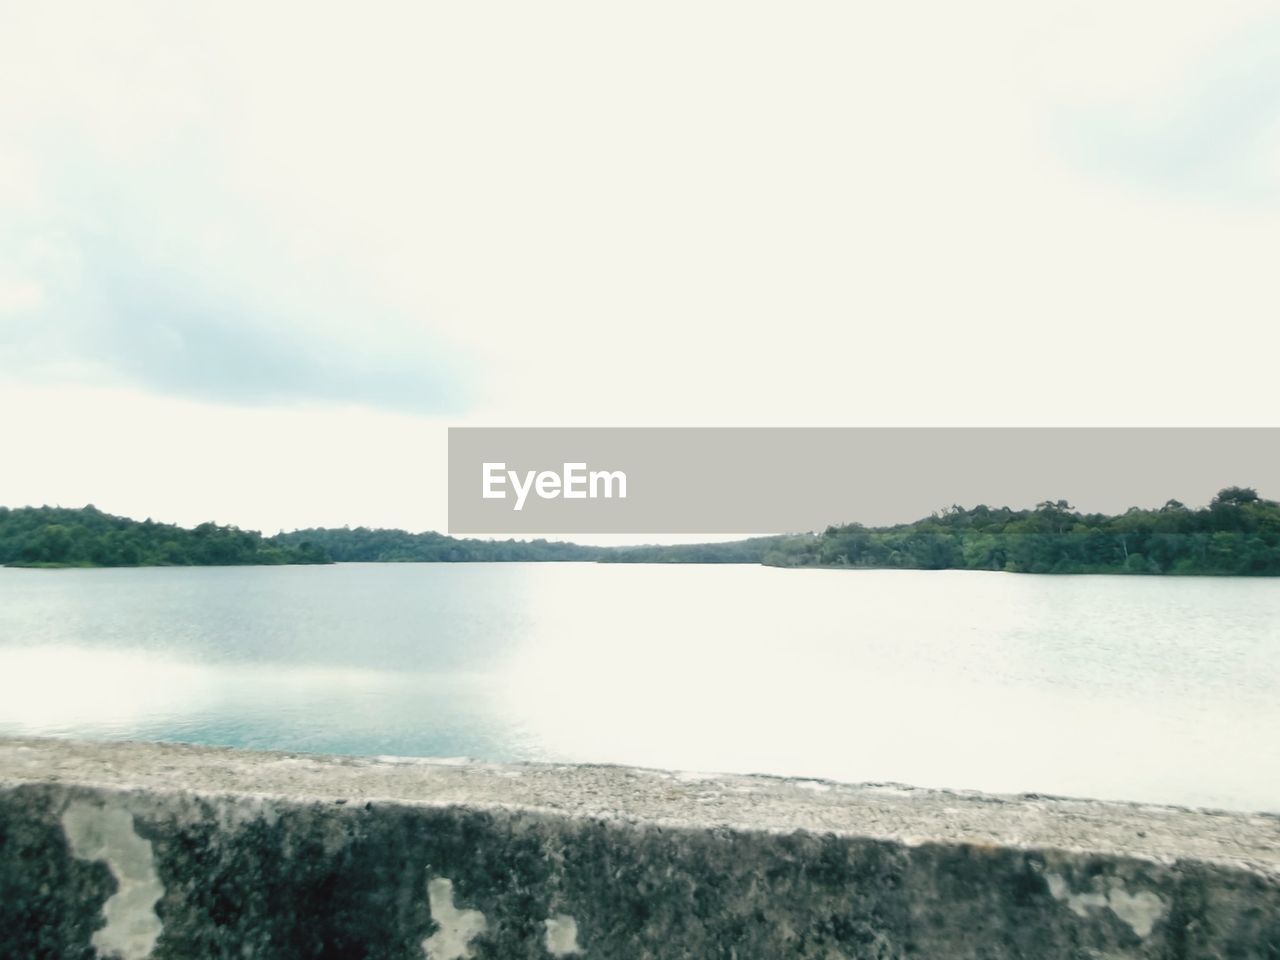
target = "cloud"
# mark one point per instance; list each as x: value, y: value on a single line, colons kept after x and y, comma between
x: 145, y: 308
x: 167, y: 325
x: 1211, y: 131
x: 131, y: 255
x: 178, y: 336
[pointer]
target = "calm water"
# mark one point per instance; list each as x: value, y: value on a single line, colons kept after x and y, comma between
x: 1148, y: 689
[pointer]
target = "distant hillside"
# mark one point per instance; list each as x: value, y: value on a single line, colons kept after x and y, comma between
x: 394, y: 546
x: 87, y: 537
x: 753, y: 550
x: 1238, y: 534
x: 362, y: 544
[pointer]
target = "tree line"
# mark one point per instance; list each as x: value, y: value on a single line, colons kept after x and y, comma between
x: 87, y: 537
x: 366, y: 545
x: 1237, y: 534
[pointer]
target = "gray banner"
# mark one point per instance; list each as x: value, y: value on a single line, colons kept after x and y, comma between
x: 779, y: 480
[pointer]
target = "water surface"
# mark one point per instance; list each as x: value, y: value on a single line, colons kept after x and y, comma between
x: 1139, y: 688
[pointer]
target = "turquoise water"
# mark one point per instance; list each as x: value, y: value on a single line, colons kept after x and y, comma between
x: 1151, y: 689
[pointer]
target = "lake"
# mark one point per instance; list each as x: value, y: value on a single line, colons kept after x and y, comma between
x: 1136, y: 688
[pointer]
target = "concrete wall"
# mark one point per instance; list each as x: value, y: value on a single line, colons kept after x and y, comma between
x: 134, y: 851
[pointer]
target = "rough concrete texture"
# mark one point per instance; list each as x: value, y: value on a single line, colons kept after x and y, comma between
x: 145, y: 850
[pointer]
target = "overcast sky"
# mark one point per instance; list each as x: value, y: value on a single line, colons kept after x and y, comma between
x: 255, y: 258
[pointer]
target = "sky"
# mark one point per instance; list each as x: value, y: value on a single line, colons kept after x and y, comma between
x: 255, y: 259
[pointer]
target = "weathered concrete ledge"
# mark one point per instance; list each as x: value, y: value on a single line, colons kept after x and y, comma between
x: 165, y: 851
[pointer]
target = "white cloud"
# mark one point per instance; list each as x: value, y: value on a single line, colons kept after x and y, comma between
x: 155, y: 267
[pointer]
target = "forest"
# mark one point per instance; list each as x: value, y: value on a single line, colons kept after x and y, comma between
x: 87, y: 537
x: 1237, y: 534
